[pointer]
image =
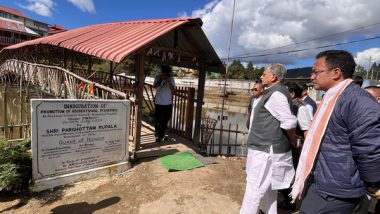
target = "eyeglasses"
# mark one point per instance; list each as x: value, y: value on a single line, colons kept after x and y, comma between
x: 254, y: 89
x: 316, y: 73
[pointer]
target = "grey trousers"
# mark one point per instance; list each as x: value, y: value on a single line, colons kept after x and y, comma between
x: 315, y: 202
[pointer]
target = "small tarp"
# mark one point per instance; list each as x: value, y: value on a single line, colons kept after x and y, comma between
x: 180, y: 161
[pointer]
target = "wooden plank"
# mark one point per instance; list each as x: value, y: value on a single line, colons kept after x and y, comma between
x: 178, y: 109
x: 200, y: 96
x: 183, y: 111
x: 189, y: 112
x: 139, y: 76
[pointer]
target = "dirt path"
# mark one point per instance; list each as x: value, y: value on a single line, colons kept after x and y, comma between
x: 147, y: 188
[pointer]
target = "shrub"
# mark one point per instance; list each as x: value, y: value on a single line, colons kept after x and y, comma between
x: 15, y: 166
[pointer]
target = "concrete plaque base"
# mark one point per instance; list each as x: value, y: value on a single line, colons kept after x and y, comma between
x: 51, y: 182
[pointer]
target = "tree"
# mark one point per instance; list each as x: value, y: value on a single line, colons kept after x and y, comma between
x: 360, y: 71
x: 258, y: 72
x: 235, y: 70
x: 250, y: 71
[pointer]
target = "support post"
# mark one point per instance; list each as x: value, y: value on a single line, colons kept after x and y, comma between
x: 5, y: 111
x: 72, y: 61
x: 190, y: 112
x: 139, y: 77
x: 200, y: 95
x: 20, y: 97
x: 64, y: 59
x: 111, y: 74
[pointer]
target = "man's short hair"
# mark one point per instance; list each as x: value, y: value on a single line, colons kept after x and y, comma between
x: 358, y: 80
x: 278, y: 69
x: 294, y: 88
x: 375, y: 89
x: 165, y: 69
x: 339, y: 59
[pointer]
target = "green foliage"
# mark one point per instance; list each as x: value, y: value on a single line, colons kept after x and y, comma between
x: 15, y: 166
x: 360, y: 71
x: 237, y: 71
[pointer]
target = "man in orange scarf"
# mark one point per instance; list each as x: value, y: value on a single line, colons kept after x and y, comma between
x: 340, y: 159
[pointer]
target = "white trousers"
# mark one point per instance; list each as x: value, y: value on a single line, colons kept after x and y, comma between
x: 258, y: 189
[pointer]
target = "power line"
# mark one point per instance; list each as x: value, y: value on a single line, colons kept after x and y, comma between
x: 318, y: 38
x: 306, y: 49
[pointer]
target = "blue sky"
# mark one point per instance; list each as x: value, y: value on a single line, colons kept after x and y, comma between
x: 260, y: 25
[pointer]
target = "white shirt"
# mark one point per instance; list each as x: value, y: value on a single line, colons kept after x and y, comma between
x: 163, y: 93
x: 253, y: 105
x: 278, y: 106
x: 282, y: 164
x: 304, y: 117
x: 311, y: 110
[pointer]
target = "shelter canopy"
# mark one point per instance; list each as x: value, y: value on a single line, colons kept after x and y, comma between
x: 178, y: 41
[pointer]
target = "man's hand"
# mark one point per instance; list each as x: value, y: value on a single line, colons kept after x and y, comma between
x: 376, y: 195
x: 292, y: 137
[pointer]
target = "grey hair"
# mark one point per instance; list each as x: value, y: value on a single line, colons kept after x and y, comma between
x: 278, y: 69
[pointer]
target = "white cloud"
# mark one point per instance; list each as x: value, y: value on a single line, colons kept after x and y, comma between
x: 368, y: 57
x: 41, y: 7
x: 84, y: 5
x: 266, y: 24
x: 45, y: 7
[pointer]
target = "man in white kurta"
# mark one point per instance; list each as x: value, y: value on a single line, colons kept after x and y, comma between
x: 269, y: 160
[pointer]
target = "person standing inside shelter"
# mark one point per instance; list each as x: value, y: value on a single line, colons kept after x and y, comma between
x: 257, y: 92
x: 269, y: 160
x: 340, y: 159
x: 165, y: 88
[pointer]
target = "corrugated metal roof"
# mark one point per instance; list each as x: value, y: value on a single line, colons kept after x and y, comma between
x: 56, y: 29
x: 115, y: 41
x: 12, y: 11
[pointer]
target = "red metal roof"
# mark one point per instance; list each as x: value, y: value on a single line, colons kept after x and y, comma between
x: 56, y: 29
x: 12, y: 11
x: 115, y: 41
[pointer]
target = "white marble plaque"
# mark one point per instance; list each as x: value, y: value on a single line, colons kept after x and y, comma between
x: 70, y: 137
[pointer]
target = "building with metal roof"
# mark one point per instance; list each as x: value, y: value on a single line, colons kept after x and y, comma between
x: 16, y: 27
